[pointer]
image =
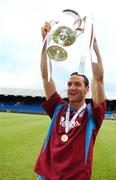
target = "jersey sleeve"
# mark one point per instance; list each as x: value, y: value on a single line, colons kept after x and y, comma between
x: 51, y: 104
x: 98, y: 113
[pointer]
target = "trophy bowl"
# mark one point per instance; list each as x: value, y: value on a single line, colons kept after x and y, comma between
x: 63, y: 34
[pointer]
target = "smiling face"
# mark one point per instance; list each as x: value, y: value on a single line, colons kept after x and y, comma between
x: 76, y: 89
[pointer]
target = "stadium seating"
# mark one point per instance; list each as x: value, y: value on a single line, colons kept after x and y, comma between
x: 22, y: 108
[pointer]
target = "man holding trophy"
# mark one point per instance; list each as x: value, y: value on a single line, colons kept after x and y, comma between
x: 68, y: 148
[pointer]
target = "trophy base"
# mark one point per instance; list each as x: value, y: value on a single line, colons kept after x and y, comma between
x: 57, y: 53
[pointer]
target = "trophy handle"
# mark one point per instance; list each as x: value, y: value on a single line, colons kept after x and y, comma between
x: 48, y: 36
x: 75, y: 15
x: 47, y: 42
x: 70, y: 11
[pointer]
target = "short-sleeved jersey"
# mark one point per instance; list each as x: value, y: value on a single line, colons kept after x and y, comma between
x: 69, y: 160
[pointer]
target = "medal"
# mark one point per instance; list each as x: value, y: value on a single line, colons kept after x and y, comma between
x: 64, y: 138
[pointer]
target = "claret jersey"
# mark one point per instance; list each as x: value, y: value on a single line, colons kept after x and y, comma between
x: 68, y: 156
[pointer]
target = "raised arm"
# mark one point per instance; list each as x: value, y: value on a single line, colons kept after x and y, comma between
x: 97, y: 87
x: 49, y: 85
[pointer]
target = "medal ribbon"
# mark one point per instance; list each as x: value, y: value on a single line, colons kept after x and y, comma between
x: 69, y: 124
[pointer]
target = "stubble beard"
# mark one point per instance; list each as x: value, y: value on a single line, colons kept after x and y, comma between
x: 76, y: 100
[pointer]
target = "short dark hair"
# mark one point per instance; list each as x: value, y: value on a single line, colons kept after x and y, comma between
x: 86, y: 81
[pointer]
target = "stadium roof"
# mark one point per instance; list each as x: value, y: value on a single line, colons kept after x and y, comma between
x: 21, y: 92
x: 111, y: 95
x: 39, y: 92
x: 29, y: 92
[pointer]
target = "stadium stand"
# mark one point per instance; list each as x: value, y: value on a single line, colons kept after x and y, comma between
x: 29, y: 101
x: 21, y: 100
x: 22, y: 108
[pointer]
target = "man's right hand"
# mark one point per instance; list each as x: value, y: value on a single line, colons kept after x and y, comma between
x: 45, y: 29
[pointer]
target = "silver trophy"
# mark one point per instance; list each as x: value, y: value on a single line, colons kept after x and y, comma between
x: 64, y: 33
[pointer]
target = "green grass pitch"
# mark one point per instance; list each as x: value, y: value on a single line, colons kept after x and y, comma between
x: 22, y: 135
